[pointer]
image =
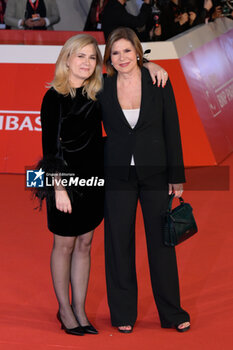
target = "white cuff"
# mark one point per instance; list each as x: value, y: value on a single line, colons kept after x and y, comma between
x: 47, y: 21
x: 20, y: 26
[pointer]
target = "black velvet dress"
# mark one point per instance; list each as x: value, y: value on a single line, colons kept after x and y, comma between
x: 72, y: 146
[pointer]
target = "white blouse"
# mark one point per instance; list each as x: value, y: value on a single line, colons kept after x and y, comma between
x: 132, y: 116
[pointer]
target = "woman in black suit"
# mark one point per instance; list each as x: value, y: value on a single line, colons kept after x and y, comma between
x: 143, y: 160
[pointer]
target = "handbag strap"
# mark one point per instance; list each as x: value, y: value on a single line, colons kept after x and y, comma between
x: 171, y: 197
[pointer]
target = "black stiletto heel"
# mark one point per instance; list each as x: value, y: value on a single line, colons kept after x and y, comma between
x: 74, y: 331
x: 90, y: 329
x: 86, y: 329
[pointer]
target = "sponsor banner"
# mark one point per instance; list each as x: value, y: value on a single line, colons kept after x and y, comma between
x: 20, y: 127
x: 196, y: 146
x: 20, y: 133
x: 209, y: 74
x: 20, y: 120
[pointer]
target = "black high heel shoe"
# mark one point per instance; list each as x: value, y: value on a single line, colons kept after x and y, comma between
x: 89, y: 329
x: 86, y: 329
x: 74, y: 331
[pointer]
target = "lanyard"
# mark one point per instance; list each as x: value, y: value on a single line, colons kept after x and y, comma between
x: 2, y: 10
x: 97, y: 13
x: 99, y: 9
x: 34, y: 6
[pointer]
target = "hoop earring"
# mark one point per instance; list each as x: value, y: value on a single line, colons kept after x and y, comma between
x: 138, y: 58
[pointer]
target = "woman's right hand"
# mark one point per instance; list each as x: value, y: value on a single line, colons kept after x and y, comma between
x: 63, y: 202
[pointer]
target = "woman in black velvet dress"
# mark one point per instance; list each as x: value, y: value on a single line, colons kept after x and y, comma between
x: 72, y: 144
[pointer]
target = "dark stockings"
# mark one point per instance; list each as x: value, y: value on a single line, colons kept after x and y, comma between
x: 70, y: 263
x: 80, y: 269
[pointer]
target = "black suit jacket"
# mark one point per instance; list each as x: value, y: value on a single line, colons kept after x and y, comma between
x: 155, y: 141
x: 115, y: 15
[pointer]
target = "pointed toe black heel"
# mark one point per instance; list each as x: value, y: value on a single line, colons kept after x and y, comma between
x: 90, y: 329
x: 72, y: 331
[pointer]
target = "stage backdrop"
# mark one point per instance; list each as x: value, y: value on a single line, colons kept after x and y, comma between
x: 199, y: 64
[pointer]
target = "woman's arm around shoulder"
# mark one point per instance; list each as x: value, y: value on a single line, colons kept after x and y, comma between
x: 157, y: 73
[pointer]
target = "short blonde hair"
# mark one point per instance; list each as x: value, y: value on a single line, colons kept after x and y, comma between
x: 117, y: 34
x: 61, y: 82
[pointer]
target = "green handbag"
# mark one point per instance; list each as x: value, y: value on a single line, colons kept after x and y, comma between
x: 179, y: 223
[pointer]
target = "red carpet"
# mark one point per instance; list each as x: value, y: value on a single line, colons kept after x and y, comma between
x: 27, y: 302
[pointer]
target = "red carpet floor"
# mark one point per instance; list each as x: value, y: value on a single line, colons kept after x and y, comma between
x: 27, y: 302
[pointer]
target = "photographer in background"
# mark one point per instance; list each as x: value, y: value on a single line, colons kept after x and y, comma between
x: 174, y: 17
x: 115, y: 15
x: 151, y: 31
x: 31, y: 14
x: 168, y: 18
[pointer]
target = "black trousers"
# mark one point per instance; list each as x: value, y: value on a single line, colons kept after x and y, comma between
x: 120, y: 213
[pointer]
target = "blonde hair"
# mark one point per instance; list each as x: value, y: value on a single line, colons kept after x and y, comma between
x: 117, y: 34
x: 61, y: 82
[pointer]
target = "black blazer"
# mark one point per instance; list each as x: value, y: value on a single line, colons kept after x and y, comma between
x: 155, y: 141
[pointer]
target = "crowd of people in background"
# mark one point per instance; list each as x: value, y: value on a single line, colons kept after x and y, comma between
x: 154, y: 20
x: 157, y: 19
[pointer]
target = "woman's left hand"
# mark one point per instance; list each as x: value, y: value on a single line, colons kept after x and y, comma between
x: 176, y: 188
x: 157, y: 72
